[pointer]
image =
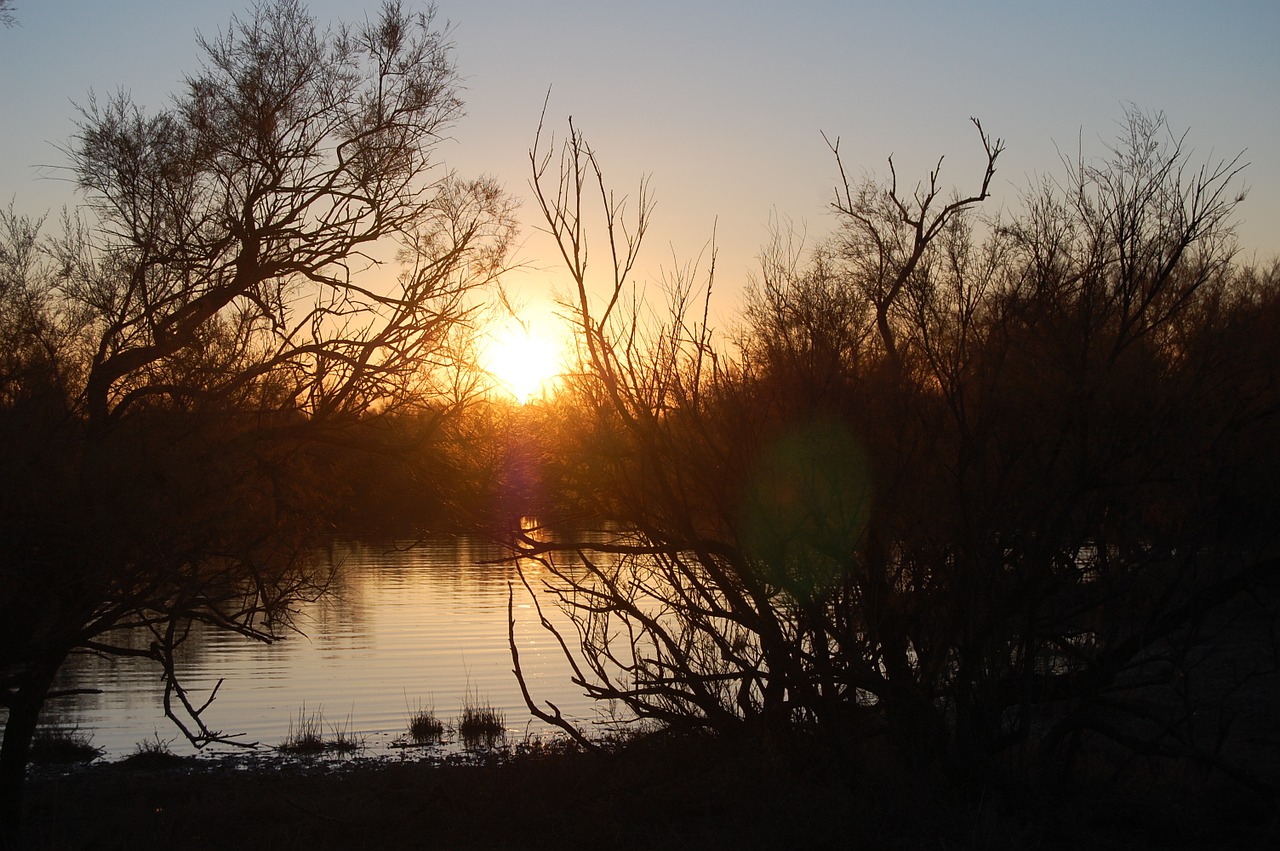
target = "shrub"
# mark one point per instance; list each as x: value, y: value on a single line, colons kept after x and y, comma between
x: 58, y: 745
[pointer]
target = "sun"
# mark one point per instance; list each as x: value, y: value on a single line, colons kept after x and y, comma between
x: 522, y: 360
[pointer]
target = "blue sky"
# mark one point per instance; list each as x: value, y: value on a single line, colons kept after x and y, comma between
x: 722, y: 104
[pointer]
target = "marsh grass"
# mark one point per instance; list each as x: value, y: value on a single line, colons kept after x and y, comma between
x: 658, y: 790
x: 154, y: 746
x: 306, y: 736
x: 62, y: 746
x: 424, y: 727
x: 479, y: 724
x: 306, y: 733
x: 152, y: 753
x: 344, y: 740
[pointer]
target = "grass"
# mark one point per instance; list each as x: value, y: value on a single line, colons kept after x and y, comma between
x: 479, y: 724
x: 152, y: 753
x: 59, y: 745
x: 306, y: 736
x: 652, y: 791
x: 344, y: 740
x: 153, y: 747
x: 424, y: 727
x: 306, y: 733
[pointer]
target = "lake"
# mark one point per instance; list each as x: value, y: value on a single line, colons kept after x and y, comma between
x: 404, y: 627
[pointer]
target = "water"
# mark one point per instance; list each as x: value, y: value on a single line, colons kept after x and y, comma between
x: 403, y: 628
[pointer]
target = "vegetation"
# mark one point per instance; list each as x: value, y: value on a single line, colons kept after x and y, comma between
x: 666, y: 792
x: 989, y: 490
x: 58, y: 745
x: 424, y: 727
x: 153, y: 747
x: 307, y: 736
x: 154, y: 753
x: 479, y: 724
x: 180, y: 361
x: 962, y: 505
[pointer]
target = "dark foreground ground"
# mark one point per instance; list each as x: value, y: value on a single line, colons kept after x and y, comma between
x: 659, y: 796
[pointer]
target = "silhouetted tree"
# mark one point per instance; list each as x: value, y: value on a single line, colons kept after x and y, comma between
x: 173, y: 359
x: 971, y: 485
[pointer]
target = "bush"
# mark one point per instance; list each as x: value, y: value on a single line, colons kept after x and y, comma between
x: 60, y: 746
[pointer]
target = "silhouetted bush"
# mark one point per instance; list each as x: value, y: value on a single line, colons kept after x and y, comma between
x: 974, y: 488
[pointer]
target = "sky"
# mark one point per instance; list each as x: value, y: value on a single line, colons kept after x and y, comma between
x: 722, y: 105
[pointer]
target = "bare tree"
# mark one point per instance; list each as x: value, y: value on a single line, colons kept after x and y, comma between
x: 220, y: 307
x: 887, y: 234
x: 961, y: 486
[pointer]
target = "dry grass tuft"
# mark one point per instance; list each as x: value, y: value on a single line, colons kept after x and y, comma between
x: 307, y: 737
x: 480, y: 724
x: 153, y: 747
x: 424, y: 727
x: 62, y: 746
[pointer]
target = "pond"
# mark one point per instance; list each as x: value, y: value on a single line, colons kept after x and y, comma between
x: 404, y: 627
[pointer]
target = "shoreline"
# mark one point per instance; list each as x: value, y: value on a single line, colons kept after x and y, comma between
x: 667, y: 794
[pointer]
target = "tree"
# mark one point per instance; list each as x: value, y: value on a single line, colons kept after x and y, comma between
x: 218, y: 312
x: 965, y: 486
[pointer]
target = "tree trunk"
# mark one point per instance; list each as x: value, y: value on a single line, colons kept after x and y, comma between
x: 15, y: 751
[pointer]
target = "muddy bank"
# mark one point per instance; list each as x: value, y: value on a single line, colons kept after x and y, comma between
x: 682, y: 795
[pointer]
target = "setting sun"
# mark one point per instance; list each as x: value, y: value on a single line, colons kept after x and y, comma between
x: 522, y: 360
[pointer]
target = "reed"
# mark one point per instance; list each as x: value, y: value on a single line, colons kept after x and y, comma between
x: 424, y: 727
x: 307, y: 736
x: 479, y: 723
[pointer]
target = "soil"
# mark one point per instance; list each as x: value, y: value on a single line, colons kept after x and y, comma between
x: 674, y: 795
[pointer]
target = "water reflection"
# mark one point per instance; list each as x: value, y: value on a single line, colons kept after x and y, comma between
x: 403, y: 627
